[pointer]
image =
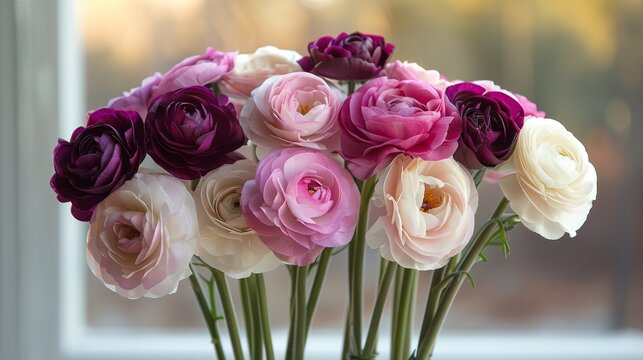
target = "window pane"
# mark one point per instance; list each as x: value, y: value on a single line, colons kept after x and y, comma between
x: 580, y: 69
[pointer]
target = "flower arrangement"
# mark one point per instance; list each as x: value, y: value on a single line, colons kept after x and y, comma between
x: 328, y: 138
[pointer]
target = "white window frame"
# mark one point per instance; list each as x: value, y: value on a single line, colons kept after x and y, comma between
x: 42, y: 56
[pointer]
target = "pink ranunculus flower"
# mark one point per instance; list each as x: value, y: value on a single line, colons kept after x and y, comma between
x: 300, y: 202
x: 251, y: 70
x: 411, y: 71
x: 142, y: 236
x: 138, y: 98
x: 387, y: 117
x: 430, y: 210
x: 297, y: 109
x: 196, y: 70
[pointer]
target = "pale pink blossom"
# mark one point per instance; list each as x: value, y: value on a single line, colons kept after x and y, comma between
x: 430, y: 210
x: 142, y: 236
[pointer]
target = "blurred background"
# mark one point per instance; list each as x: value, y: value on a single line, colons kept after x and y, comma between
x: 580, y: 61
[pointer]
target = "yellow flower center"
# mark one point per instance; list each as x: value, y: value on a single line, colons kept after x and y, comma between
x: 303, y: 109
x: 431, y: 200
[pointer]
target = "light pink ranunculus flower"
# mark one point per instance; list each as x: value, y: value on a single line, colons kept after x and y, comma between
x: 412, y: 71
x: 196, y: 70
x: 142, y: 236
x: 430, y: 210
x: 227, y: 243
x: 300, y: 202
x: 138, y: 98
x: 251, y: 70
x: 387, y: 117
x: 298, y: 109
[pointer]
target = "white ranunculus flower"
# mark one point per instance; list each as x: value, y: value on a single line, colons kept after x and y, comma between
x: 250, y: 70
x: 142, y: 237
x: 430, y: 209
x: 551, y: 183
x: 227, y: 242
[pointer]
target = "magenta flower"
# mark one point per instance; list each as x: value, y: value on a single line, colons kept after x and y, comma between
x: 191, y: 131
x: 491, y: 121
x: 300, y: 202
x: 196, y: 70
x: 347, y: 57
x: 97, y: 159
x: 386, y: 117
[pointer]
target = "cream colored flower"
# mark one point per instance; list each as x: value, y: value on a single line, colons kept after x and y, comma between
x: 430, y: 208
x: 551, y: 184
x: 142, y: 236
x: 250, y: 70
x: 227, y: 242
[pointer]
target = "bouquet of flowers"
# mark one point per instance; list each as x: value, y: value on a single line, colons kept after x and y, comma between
x: 275, y: 159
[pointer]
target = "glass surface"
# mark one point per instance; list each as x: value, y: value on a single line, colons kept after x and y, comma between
x: 580, y: 61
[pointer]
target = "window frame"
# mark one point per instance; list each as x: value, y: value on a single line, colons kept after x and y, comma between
x: 42, y: 318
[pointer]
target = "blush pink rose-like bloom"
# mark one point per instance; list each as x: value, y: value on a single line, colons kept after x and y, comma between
x: 297, y: 109
x: 137, y: 99
x: 142, y: 236
x: 411, y: 71
x: 251, y: 70
x: 300, y: 202
x: 196, y: 70
x: 430, y: 210
x: 387, y: 117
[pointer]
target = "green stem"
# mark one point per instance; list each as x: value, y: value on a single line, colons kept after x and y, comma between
x: 315, y: 291
x: 433, y: 300
x: 395, y: 323
x: 228, y: 310
x: 428, y: 343
x: 351, y: 87
x: 256, y: 316
x: 244, y: 289
x: 300, y: 308
x: 382, y: 294
x: 413, y: 279
x: 210, y: 321
x: 358, y: 263
x: 403, y: 328
x: 265, y: 316
x: 292, y: 270
x: 478, y: 176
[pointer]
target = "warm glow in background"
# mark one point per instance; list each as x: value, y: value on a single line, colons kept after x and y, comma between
x: 579, y: 60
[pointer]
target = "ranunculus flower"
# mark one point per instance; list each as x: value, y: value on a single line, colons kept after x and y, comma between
x: 386, y: 117
x: 97, y: 159
x: 551, y: 183
x: 251, y: 70
x: 227, y: 242
x: 191, y: 131
x: 347, y: 57
x: 300, y: 202
x: 528, y: 107
x: 138, y: 98
x: 430, y: 210
x: 298, y: 109
x: 491, y: 121
x: 411, y: 71
x: 142, y: 237
x: 196, y: 70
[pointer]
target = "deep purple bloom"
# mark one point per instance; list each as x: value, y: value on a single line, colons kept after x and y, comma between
x: 191, y: 131
x: 98, y: 159
x: 348, y: 57
x: 491, y: 121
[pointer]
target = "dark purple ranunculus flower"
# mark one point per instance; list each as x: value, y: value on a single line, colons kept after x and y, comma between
x: 191, y: 131
x: 491, y: 121
x: 348, y: 57
x: 98, y: 159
